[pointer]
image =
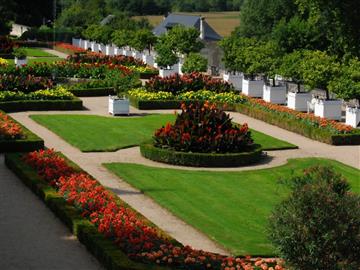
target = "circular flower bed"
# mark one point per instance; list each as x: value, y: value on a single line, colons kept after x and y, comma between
x: 203, y: 135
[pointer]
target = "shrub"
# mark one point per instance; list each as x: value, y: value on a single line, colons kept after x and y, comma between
x: 194, y: 62
x: 92, y: 58
x: 68, y: 48
x: 188, y: 82
x: 48, y: 94
x: 3, y: 62
x: 203, y: 128
x: 318, y: 226
x: 6, y: 45
x: 203, y: 95
x: 24, y: 84
x: 19, y: 53
x: 142, y: 94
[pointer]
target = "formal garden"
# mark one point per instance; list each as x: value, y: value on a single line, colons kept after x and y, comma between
x: 147, y: 157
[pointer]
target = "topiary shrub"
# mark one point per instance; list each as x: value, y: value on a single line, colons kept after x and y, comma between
x: 203, y: 128
x: 318, y: 226
x: 194, y: 62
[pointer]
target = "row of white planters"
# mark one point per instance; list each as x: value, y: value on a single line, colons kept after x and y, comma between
x: 330, y: 109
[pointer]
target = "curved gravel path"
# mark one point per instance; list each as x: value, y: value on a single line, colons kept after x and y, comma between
x: 92, y: 163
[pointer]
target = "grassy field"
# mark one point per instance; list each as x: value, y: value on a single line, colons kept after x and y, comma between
x: 35, y: 52
x: 36, y: 55
x: 98, y: 133
x: 230, y: 207
x: 222, y: 22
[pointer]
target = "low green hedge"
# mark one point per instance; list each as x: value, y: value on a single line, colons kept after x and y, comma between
x: 41, y: 105
x: 299, y: 127
x: 31, y: 142
x: 147, y: 76
x: 102, y: 248
x: 149, y: 151
x: 93, y: 92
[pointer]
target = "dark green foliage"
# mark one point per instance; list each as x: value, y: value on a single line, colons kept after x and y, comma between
x: 195, y: 62
x: 143, y: 39
x: 318, y: 226
x: 201, y: 159
x: 165, y: 54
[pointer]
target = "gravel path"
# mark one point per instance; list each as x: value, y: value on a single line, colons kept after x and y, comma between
x: 54, y: 52
x: 91, y: 162
x: 31, y: 237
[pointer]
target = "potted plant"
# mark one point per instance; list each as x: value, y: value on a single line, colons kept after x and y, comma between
x: 270, y: 60
x: 119, y: 104
x: 20, y: 56
x: 290, y: 70
x: 347, y: 87
x: 319, y: 69
x: 122, y: 39
x: 166, y: 59
x: 194, y: 62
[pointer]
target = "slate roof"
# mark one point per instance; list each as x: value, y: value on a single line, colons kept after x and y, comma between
x: 188, y: 21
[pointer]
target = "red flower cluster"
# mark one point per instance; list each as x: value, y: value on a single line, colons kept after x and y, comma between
x: 188, y: 82
x: 9, y: 130
x: 106, y: 59
x: 131, y: 233
x: 203, y: 128
x: 66, y: 47
x: 26, y: 84
x: 310, y: 119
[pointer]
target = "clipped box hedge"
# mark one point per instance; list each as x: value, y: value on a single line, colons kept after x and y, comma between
x: 93, y: 92
x: 41, y: 105
x: 299, y: 127
x: 102, y: 248
x: 147, y: 75
x: 149, y: 151
x: 154, y: 104
x: 31, y: 142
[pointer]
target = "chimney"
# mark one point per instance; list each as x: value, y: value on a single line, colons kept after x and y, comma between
x: 202, y: 29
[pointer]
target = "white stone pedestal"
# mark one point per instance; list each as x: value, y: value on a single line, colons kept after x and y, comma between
x: 274, y: 94
x: 298, y: 101
x: 118, y: 105
x: 236, y: 79
x: 352, y: 116
x: 167, y: 72
x: 252, y: 88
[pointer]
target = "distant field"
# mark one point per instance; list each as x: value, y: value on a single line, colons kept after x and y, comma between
x: 222, y: 22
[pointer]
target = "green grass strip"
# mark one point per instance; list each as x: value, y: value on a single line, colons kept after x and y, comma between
x: 99, y: 133
x: 230, y: 207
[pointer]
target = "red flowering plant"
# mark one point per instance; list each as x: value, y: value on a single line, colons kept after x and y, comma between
x: 309, y: 119
x: 9, y: 129
x: 131, y: 232
x: 68, y: 48
x: 6, y: 45
x: 188, y: 82
x: 100, y: 58
x: 204, y: 128
x: 24, y: 83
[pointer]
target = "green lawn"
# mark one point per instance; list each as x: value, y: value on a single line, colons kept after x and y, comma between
x: 38, y: 60
x: 230, y: 207
x: 98, y: 133
x: 35, y: 52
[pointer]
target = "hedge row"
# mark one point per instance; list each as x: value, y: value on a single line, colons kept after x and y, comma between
x: 149, y: 151
x: 41, y: 105
x: 299, y: 127
x: 93, y: 92
x: 102, y: 248
x: 31, y: 142
x: 147, y: 76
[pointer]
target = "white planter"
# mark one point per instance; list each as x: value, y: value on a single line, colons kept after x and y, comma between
x: 109, y: 50
x: 352, y: 116
x: 118, y: 105
x: 252, y: 88
x: 167, y: 72
x: 20, y: 62
x: 94, y: 46
x: 102, y: 48
x: 76, y: 42
x: 81, y: 43
x: 330, y: 109
x: 148, y: 59
x: 274, y: 94
x: 127, y: 52
x: 136, y: 55
x: 298, y: 101
x: 117, y: 51
x: 236, y: 79
x: 87, y: 45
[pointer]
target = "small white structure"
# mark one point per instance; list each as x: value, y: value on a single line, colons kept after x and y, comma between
x: 275, y: 94
x: 126, y: 52
x: 19, y: 29
x: 148, y: 59
x: 253, y: 88
x: 168, y: 71
x: 352, y: 116
x: 94, y: 46
x: 102, y: 48
x: 137, y: 55
x: 20, y: 62
x: 298, y: 101
x: 118, y: 105
x: 234, y: 78
x: 330, y: 109
x: 76, y: 42
x: 109, y: 50
x: 87, y: 45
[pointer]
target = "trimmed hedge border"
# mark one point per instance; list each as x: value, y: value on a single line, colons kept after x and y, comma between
x: 147, y: 76
x: 31, y: 142
x: 149, y: 151
x: 41, y: 105
x: 93, y: 92
x: 102, y: 248
x: 298, y: 127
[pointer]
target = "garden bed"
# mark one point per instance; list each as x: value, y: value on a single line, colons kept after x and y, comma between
x: 169, y: 156
x: 299, y: 127
x: 29, y: 142
x: 102, y: 248
x: 41, y: 105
